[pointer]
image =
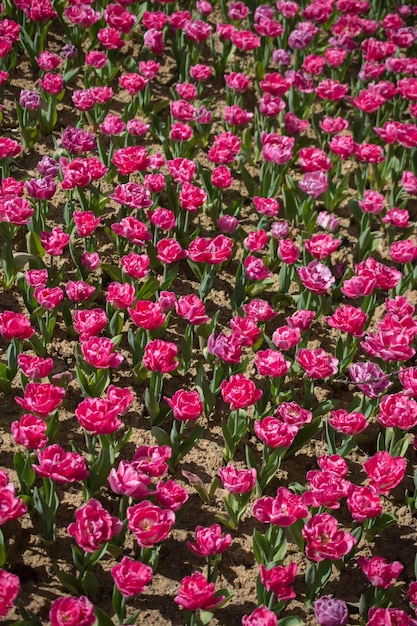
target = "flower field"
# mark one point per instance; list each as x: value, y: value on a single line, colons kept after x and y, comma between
x: 208, y: 313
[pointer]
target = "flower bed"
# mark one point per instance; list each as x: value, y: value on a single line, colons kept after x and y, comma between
x: 207, y: 217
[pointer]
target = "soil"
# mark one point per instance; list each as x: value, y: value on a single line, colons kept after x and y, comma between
x: 31, y: 558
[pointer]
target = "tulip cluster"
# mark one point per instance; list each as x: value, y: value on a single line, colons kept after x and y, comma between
x: 208, y: 292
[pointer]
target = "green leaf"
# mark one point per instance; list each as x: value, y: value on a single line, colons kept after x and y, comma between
x: 205, y: 177
x: 401, y: 447
x: 249, y: 181
x: 381, y: 523
x: 357, y: 532
x: 101, y: 385
x: 5, y: 384
x: 123, y: 441
x: 282, y: 301
x: 203, y: 388
x: 170, y: 276
x: 89, y: 583
x: 189, y: 443
x: 193, y: 145
x: 30, y: 136
x: 102, y: 618
x: 289, y: 194
x: 70, y: 74
x: 306, y: 433
x: 291, y: 620
x: 28, y: 45
x: 95, y: 557
x: 259, y: 286
x: 284, y: 278
x: 33, y: 244
x: 161, y: 436
x: 316, y: 577
x: 296, y: 534
x: 69, y: 582
x: 99, y: 469
x: 238, y: 296
x: 207, y: 282
x: 77, y: 557
x: 116, y: 323
x: 30, y: 619
x: 82, y: 381
x: 186, y: 351
x: 25, y: 473
x: 157, y: 107
x: 49, y: 117
x: 280, y: 552
x: 227, y: 596
x: 151, y: 403
x: 148, y: 289
x: 3, y: 552
x: 114, y: 272
x: 205, y: 617
x: 228, y: 439
x: 330, y: 438
x: 133, y: 618
x: 323, y: 407
x: 54, y: 426
x: 259, y: 548
x: 340, y: 347
x: 140, y: 373
x: 266, y: 398
x: 250, y: 459
x: 196, y: 269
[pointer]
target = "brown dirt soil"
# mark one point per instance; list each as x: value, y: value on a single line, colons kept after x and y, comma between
x: 34, y: 561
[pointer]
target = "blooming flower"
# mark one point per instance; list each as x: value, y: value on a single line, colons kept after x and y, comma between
x: 197, y: 593
x: 30, y: 431
x: 239, y: 392
x: 279, y: 580
x: 283, y: 510
x: 330, y: 612
x: 317, y: 363
x: 131, y: 577
x: 381, y: 617
x: 72, y: 611
x: 209, y: 541
x: 160, y: 356
x: 61, y: 466
x: 379, y: 572
x: 385, y: 471
x: 15, y: 325
x: 100, y: 352
x: 185, y: 405
x: 149, y: 523
x: 41, y: 398
x: 93, y: 526
x: 9, y: 588
x: 324, y: 540
x: 237, y: 480
x: 129, y: 480
x: 11, y: 507
x: 316, y: 277
x: 261, y: 616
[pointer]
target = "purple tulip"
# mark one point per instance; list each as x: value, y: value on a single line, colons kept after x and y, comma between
x: 369, y: 371
x: 330, y: 612
x: 47, y: 166
x: 68, y: 51
x: 30, y: 100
